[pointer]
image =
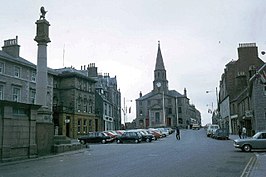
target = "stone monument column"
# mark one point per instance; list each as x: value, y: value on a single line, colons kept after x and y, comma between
x: 44, y: 122
x: 42, y: 38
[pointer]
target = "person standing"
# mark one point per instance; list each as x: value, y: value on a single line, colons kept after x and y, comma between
x: 244, y: 132
x: 177, y: 131
x: 239, y: 131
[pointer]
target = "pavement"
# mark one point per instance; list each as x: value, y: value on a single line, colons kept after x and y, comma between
x: 256, y: 167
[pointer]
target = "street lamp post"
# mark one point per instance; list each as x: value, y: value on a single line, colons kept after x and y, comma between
x: 217, y: 102
x: 125, y: 111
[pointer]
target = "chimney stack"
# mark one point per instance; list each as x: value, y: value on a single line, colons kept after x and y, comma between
x: 11, y: 47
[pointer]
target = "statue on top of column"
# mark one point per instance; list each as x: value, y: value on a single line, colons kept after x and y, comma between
x: 43, y: 12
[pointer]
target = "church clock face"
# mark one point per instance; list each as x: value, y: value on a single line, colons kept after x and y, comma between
x: 158, y: 84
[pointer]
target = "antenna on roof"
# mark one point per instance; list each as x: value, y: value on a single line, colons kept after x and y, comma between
x: 64, y: 56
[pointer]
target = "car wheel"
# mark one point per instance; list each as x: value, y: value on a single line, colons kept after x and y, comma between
x: 118, y: 141
x: 246, y: 148
x: 103, y: 141
x: 82, y: 142
x: 148, y: 140
x: 136, y: 141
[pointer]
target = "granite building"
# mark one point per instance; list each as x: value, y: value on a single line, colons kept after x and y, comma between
x: 257, y: 94
x: 163, y: 107
x: 20, y: 135
x: 74, y: 103
x: 107, y: 98
x: 235, y: 105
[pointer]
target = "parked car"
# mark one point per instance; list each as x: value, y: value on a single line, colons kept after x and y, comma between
x: 211, y: 129
x: 156, y: 133
x: 95, y: 137
x: 120, y: 132
x: 129, y: 136
x: 221, y: 134
x: 148, y: 137
x: 170, y: 130
x: 111, y: 134
x: 164, y: 131
x: 258, y: 141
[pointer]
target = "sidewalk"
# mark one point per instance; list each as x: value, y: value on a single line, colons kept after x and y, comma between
x: 44, y: 157
x: 259, y: 167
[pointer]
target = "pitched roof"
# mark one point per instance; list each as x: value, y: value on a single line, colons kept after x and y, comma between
x: 18, y: 60
x: 22, y: 61
x: 171, y: 93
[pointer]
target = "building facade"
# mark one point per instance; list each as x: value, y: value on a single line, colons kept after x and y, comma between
x: 74, y: 103
x: 163, y: 107
x: 108, y: 98
x: 257, y: 94
x: 20, y: 136
x: 233, y: 94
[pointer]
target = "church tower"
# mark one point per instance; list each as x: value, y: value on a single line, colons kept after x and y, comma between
x: 160, y: 82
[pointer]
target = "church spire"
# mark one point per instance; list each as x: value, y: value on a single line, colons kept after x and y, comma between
x: 159, y: 60
x: 160, y: 82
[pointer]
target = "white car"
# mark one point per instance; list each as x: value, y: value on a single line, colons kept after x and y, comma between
x: 211, y: 129
x: 164, y: 131
x: 258, y: 141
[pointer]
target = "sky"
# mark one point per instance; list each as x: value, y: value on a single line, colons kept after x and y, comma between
x: 197, y: 39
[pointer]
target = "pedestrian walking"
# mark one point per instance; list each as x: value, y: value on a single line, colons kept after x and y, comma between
x: 177, y: 135
x: 239, y: 131
x: 244, y: 132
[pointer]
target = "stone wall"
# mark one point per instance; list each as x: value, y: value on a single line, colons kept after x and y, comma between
x: 44, y: 136
x: 18, y: 125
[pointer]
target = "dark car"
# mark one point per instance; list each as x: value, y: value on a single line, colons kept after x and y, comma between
x: 148, y: 137
x: 95, y: 137
x: 258, y: 141
x: 134, y: 137
x: 221, y: 134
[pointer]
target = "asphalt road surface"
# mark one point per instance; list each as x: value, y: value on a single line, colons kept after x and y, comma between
x: 195, y: 155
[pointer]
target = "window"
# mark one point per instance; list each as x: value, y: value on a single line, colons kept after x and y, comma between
x: 169, y: 110
x: 79, y: 125
x: 32, y: 96
x: 33, y: 76
x: 179, y: 110
x: 90, y: 125
x: 157, y: 117
x: 90, y: 106
x: 85, y: 107
x: 109, y: 111
x: 19, y: 111
x: 78, y: 103
x: 1, y: 92
x: 84, y: 126
x: 105, y: 109
x: 1, y: 67
x: 17, y: 71
x: 16, y: 94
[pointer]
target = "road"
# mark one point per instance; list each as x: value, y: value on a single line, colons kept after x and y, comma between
x: 195, y: 155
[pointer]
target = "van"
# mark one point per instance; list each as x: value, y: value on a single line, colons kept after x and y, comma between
x: 211, y: 129
x: 195, y: 126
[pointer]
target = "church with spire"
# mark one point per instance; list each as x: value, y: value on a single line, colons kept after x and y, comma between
x: 163, y: 107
